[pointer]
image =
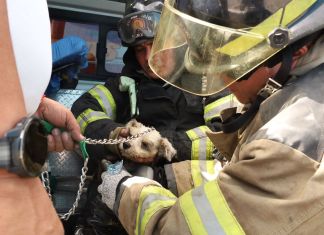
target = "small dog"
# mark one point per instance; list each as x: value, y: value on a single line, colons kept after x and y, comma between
x: 146, y: 148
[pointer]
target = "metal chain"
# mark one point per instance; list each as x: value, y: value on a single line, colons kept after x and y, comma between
x: 84, y: 170
x: 118, y: 141
x: 46, y: 183
x: 83, y: 177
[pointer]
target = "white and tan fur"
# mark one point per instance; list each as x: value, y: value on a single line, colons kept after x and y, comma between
x: 146, y: 147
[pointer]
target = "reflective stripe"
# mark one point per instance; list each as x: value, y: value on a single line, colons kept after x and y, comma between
x: 201, y: 147
x: 221, y: 209
x: 195, y: 172
x: 201, y: 166
x: 206, y: 211
x: 152, y: 199
x: 210, y: 165
x: 105, y: 99
x: 243, y: 43
x: 89, y: 116
x: 192, y: 217
x: 213, y: 109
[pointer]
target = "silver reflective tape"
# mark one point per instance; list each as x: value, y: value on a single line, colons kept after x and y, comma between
x: 202, y: 143
x: 105, y: 101
x: 146, y: 204
x: 206, y: 212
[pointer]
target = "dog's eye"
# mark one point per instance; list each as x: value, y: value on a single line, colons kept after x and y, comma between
x: 145, y: 145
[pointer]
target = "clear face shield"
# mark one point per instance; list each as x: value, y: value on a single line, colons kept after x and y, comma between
x: 204, y: 58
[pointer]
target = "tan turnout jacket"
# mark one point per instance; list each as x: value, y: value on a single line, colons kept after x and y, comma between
x: 273, y: 184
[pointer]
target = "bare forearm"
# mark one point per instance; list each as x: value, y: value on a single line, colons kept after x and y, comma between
x: 11, y: 98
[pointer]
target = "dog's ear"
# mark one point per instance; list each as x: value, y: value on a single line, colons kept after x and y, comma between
x: 166, y: 149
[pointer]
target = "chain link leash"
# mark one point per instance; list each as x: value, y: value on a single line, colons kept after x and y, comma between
x: 118, y: 141
x: 46, y: 183
x: 84, y: 170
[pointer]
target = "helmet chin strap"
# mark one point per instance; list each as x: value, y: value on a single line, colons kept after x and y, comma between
x: 235, y: 122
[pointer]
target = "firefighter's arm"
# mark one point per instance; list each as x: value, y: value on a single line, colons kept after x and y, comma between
x: 143, y: 206
x: 96, y: 112
x: 127, y: 196
x: 192, y: 144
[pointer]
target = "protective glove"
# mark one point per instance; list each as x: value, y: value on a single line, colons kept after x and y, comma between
x: 111, y: 178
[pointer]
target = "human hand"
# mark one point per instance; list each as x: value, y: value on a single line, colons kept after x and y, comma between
x: 117, y: 133
x: 60, y: 117
x: 146, y: 145
x: 111, y: 177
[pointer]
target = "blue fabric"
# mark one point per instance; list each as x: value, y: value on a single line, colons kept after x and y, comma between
x: 69, y: 50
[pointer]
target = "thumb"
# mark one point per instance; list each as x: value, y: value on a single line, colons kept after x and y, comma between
x: 124, y: 132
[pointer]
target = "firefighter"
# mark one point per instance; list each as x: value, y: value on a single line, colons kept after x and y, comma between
x: 270, y: 54
x: 179, y: 116
x: 139, y: 93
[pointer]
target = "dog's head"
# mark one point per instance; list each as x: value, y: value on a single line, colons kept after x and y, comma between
x: 147, y: 147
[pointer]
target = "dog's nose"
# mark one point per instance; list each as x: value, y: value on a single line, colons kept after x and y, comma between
x: 126, y: 145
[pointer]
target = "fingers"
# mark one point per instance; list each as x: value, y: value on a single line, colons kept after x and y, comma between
x: 56, y: 133
x: 103, y: 176
x: 59, y: 141
x: 50, y: 143
x: 67, y: 141
x: 100, y: 188
x: 59, y: 116
x: 73, y: 126
x: 124, y: 132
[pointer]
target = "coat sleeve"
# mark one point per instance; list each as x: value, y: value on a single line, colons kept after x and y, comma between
x: 193, y: 144
x: 98, y: 112
x: 268, y: 187
x: 148, y: 208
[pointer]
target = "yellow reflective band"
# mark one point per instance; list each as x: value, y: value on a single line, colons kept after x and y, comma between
x: 245, y: 42
x: 191, y: 215
x: 196, y: 169
x: 110, y: 107
x: 210, y: 166
x: 222, y: 211
x: 213, y: 109
x: 89, y: 116
x: 154, y: 207
x: 209, y: 149
x: 195, y: 144
x: 209, y: 144
x: 82, y: 124
x: 196, y: 173
x: 202, y: 147
x: 148, y: 191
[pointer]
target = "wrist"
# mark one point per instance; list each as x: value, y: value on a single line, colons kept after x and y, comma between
x: 4, y: 174
x: 120, y: 183
x: 119, y: 192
